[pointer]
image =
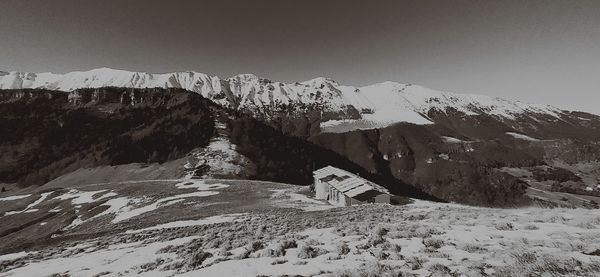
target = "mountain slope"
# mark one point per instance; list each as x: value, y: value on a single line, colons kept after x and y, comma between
x: 54, y: 133
x: 462, y: 148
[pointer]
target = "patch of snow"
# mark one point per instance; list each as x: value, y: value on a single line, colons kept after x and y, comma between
x: 187, y: 223
x: 521, y: 136
x: 334, y: 122
x: 129, y: 212
x: 14, y: 197
x: 123, y: 209
x: 517, y: 172
x: 14, y: 256
x: 451, y: 139
x: 119, y: 259
x: 117, y: 205
x: 83, y: 197
x: 29, y: 208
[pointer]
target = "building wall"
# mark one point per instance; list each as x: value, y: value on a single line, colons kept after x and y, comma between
x: 383, y: 198
x: 380, y: 198
x: 336, y: 197
x: 355, y: 202
x: 321, y: 189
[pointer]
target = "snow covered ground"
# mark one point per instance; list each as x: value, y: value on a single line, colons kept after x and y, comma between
x: 270, y: 229
x: 521, y: 136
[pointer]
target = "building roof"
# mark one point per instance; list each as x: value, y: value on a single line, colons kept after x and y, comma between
x: 346, y: 182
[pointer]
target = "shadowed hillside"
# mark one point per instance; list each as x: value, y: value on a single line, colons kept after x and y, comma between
x: 58, y: 132
x: 52, y: 132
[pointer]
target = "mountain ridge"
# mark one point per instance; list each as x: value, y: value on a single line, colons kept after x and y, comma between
x: 380, y: 105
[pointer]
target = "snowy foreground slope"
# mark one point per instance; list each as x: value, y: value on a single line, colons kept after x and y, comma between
x: 367, y: 107
x: 249, y: 228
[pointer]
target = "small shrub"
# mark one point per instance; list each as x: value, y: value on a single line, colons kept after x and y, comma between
x: 152, y: 265
x: 179, y: 265
x: 343, y: 248
x: 380, y: 255
x: 531, y: 227
x: 375, y: 238
x: 415, y: 263
x: 433, y: 243
x: 474, y: 248
x: 287, y: 244
x: 167, y: 249
x: 507, y: 226
x: 279, y: 261
x: 256, y: 245
x: 281, y: 248
x: 381, y: 231
x: 392, y: 247
x: 197, y: 259
x: 308, y: 252
x: 439, y: 270
x: 524, y: 258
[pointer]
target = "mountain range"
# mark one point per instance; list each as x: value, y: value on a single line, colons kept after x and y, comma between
x: 470, y: 149
x: 377, y: 105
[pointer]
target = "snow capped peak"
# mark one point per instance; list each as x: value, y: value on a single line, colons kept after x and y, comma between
x: 245, y: 77
x: 319, y: 81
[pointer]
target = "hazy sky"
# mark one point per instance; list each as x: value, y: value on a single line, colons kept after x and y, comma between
x: 535, y: 51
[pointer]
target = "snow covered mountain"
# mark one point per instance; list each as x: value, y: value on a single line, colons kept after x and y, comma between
x: 367, y: 107
x: 463, y: 148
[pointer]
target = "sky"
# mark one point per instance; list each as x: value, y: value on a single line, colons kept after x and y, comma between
x: 534, y: 51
